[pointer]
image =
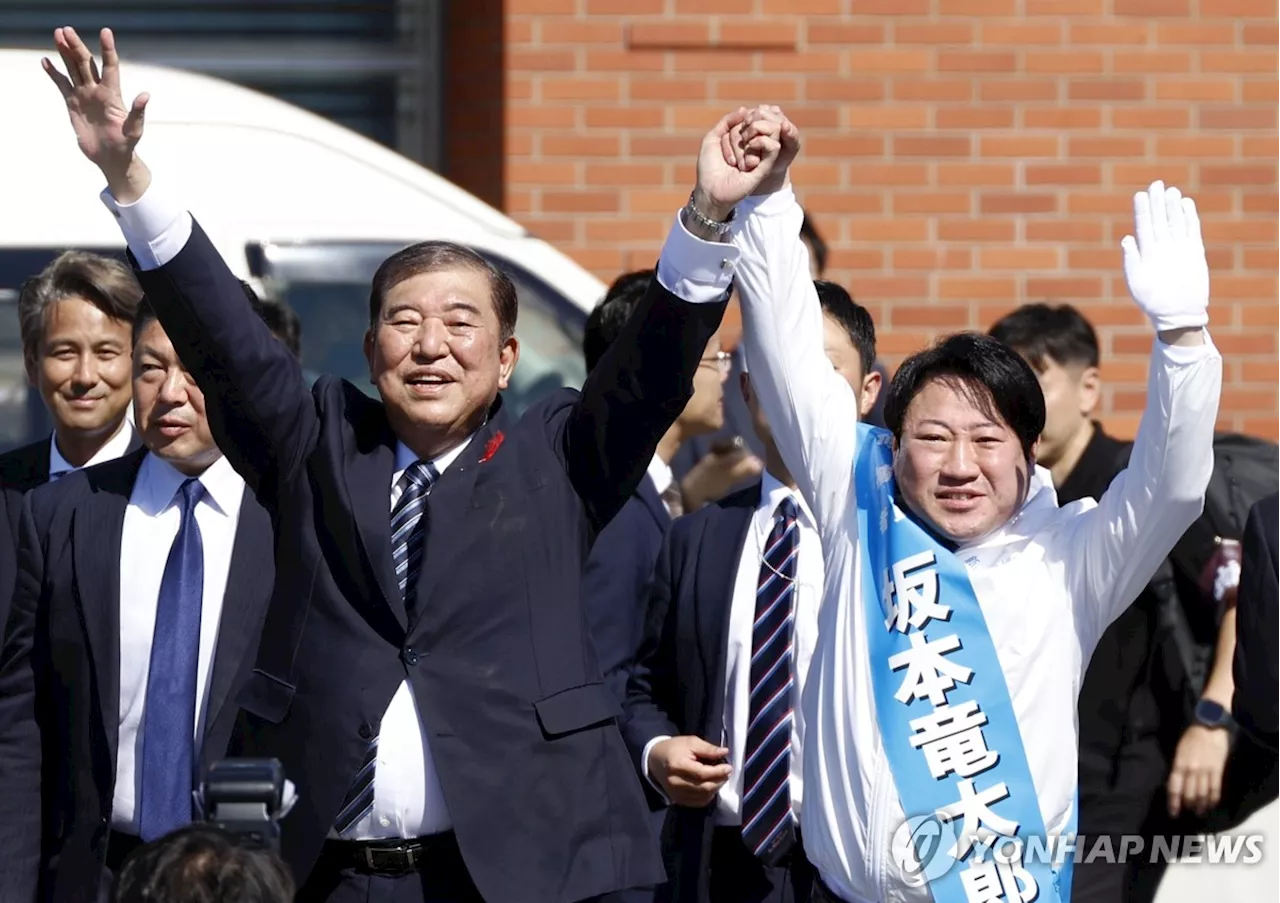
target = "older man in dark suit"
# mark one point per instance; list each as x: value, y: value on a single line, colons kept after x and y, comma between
x: 425, y: 673
x: 142, y: 586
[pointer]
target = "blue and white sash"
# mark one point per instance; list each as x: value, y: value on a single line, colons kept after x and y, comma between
x: 943, y: 708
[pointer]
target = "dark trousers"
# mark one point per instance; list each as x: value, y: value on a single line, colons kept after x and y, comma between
x: 444, y: 879
x: 739, y: 877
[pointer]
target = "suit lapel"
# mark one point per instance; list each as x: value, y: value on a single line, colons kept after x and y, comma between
x: 718, y: 559
x: 368, y: 477
x: 97, y: 528
x: 652, y: 501
x: 244, y: 602
x: 448, y: 505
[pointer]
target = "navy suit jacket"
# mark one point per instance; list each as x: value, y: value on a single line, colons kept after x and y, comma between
x: 21, y: 470
x: 677, y: 680
x: 537, y: 781
x: 60, y: 675
x: 1256, y: 625
x: 615, y: 584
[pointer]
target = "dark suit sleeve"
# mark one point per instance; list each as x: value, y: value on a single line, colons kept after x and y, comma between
x: 20, y: 741
x: 261, y: 413
x: 631, y: 398
x: 652, y: 686
x: 1257, y: 626
x: 8, y: 561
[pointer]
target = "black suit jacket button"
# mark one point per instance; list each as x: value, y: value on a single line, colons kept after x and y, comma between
x: 365, y: 732
x: 410, y: 657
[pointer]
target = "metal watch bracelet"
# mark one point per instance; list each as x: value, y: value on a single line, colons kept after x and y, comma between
x: 712, y: 226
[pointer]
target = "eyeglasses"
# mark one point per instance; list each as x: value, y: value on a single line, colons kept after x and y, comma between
x: 722, y: 360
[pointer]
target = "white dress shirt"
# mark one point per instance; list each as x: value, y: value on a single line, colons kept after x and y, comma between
x: 659, y: 472
x: 124, y: 441
x: 1049, y: 581
x: 407, y: 798
x: 737, y: 677
x: 151, y: 524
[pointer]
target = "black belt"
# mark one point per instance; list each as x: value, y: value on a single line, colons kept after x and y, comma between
x: 119, y: 848
x: 393, y: 858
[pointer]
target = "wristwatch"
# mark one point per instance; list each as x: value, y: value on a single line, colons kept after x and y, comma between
x: 714, y: 227
x: 1213, y: 714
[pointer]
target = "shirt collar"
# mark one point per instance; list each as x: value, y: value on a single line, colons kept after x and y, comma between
x: 661, y: 474
x: 772, y: 492
x: 406, y: 457
x: 158, y: 483
x: 124, y: 441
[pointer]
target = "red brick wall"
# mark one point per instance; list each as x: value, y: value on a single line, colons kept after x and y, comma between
x: 961, y: 156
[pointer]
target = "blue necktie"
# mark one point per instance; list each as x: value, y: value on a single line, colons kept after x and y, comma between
x: 169, y: 715
x: 767, y: 827
x: 406, y: 554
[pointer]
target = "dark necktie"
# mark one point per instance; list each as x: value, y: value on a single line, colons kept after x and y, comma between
x: 767, y: 826
x: 406, y: 554
x: 169, y: 715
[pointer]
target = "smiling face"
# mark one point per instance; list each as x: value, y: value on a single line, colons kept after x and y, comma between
x: 438, y: 357
x: 958, y: 465
x: 81, y: 366
x: 168, y: 407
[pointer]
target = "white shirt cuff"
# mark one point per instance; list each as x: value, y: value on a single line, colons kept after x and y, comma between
x: 694, y: 270
x: 644, y: 765
x: 155, y: 226
x: 774, y: 204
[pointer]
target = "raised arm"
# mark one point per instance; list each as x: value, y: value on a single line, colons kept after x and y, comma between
x: 262, y: 415
x: 811, y: 409
x: 644, y: 380
x: 1110, y: 553
x: 20, y: 736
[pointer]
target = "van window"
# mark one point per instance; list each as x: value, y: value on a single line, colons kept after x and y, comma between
x: 328, y: 285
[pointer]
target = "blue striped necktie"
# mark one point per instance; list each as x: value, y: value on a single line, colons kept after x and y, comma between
x: 767, y: 826
x: 406, y: 553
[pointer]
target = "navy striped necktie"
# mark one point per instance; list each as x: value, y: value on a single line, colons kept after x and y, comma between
x: 407, y: 531
x: 768, y: 829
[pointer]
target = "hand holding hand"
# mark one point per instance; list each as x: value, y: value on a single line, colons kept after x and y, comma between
x: 1165, y: 266
x: 686, y: 769
x: 724, y: 182
x: 761, y: 122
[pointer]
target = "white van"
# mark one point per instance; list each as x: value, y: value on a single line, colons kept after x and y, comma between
x: 295, y: 204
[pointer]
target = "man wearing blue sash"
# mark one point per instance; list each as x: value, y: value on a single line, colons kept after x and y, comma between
x: 961, y: 603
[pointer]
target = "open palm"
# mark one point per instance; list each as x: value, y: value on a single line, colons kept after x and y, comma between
x: 106, y: 130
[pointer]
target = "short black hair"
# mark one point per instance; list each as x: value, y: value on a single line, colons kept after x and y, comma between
x: 605, y: 322
x: 281, y: 319
x: 201, y: 863
x: 994, y: 376
x: 852, y: 317
x: 433, y: 256
x: 817, y: 247
x: 146, y: 313
x: 1043, y: 333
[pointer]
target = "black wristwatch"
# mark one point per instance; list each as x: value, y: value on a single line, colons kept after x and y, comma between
x: 1212, y: 714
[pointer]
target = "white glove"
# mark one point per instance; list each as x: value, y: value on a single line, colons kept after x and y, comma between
x: 1166, y: 269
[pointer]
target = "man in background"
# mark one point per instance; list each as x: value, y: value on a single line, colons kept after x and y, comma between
x: 75, y: 319
x: 1144, y: 769
x: 731, y: 625
x: 203, y: 864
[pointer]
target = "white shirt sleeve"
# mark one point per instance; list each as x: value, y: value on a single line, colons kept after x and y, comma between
x: 644, y: 764
x: 155, y: 226
x: 695, y: 270
x: 1110, y: 552
x: 812, y: 409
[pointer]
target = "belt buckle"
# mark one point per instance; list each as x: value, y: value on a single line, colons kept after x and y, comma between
x: 397, y: 861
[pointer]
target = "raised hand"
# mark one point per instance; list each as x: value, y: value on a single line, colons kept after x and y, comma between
x: 757, y: 123
x: 722, y: 184
x: 1165, y: 266
x: 106, y: 130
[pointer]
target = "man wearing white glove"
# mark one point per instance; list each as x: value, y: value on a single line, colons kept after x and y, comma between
x: 961, y: 603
